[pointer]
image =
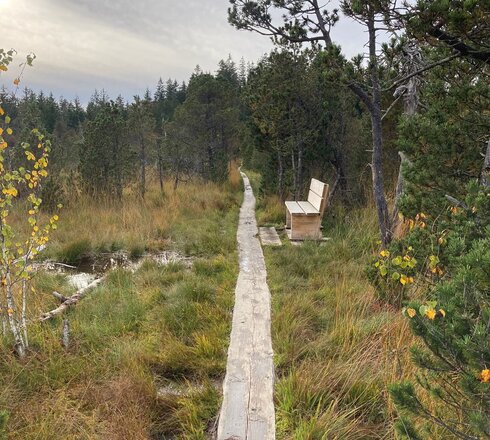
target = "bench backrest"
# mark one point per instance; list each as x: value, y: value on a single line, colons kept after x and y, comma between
x: 318, y: 194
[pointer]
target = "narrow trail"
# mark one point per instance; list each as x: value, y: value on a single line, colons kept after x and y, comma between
x: 247, y: 411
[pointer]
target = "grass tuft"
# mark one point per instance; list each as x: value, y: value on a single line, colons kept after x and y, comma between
x: 159, y: 324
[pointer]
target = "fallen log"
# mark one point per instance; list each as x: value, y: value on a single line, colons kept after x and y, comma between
x: 70, y: 301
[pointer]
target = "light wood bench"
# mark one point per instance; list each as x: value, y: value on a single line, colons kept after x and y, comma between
x: 303, y: 219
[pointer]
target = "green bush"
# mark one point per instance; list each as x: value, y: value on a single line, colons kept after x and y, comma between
x: 453, y: 324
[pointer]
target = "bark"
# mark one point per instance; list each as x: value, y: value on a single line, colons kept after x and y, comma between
x: 65, y: 340
x: 19, y: 343
x: 15, y: 328
x: 400, y: 187
x: 485, y: 174
x: 24, y: 313
x: 377, y: 162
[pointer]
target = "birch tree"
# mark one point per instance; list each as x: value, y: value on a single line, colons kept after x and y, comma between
x: 19, y: 189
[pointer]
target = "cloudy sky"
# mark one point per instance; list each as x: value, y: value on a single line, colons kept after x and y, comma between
x: 124, y: 46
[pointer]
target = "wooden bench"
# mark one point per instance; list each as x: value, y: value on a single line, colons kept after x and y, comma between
x: 303, y: 219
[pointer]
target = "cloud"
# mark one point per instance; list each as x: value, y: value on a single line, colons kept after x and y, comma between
x: 124, y: 46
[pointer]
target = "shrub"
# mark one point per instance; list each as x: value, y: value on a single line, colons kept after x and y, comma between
x: 453, y: 324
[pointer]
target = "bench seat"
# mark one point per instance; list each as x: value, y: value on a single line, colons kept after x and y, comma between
x: 301, y: 208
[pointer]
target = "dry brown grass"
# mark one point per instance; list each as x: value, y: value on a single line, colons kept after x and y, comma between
x: 337, y: 347
x: 138, y: 330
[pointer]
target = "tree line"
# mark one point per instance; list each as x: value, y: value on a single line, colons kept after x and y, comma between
x: 178, y: 131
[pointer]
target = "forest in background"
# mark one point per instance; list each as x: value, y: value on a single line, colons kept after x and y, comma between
x: 402, y: 133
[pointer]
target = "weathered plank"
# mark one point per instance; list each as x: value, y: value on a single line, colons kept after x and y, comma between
x: 269, y: 237
x: 315, y: 200
x: 308, y: 208
x: 247, y: 411
x: 294, y: 208
x: 317, y: 187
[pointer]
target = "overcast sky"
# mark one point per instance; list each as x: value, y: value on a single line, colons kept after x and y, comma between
x: 124, y: 46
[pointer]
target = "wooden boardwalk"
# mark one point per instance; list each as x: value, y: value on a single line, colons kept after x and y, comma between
x: 247, y: 411
x: 269, y: 237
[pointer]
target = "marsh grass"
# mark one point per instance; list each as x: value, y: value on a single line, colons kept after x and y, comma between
x: 137, y: 331
x: 336, y: 347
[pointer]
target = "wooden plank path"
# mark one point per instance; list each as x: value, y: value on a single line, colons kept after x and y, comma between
x: 269, y: 237
x: 247, y: 411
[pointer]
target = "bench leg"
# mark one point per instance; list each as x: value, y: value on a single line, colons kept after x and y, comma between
x: 305, y: 227
x: 288, y: 219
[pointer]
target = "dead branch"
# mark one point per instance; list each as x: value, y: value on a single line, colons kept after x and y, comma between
x: 72, y: 300
x: 61, y: 298
x: 456, y: 202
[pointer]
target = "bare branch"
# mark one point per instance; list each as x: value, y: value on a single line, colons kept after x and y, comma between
x: 424, y: 69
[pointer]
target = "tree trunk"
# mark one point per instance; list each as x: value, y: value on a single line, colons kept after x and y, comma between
x: 160, y: 168
x: 280, y: 176
x: 299, y: 179
x: 23, y: 321
x: 485, y: 174
x: 143, y: 166
x: 295, y: 181
x: 400, y: 187
x: 377, y: 162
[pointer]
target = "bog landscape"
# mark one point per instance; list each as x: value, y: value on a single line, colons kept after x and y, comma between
x: 292, y: 246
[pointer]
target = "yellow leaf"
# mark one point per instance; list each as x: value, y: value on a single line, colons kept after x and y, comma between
x: 2, y: 112
x: 485, y: 375
x: 10, y: 311
x: 9, y: 131
x: 430, y: 313
x: 411, y: 312
x: 406, y: 280
x: 442, y: 312
x: 3, y: 68
x: 10, y: 191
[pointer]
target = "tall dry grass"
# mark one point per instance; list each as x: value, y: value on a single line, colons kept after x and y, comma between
x: 138, y: 336
x: 337, y: 348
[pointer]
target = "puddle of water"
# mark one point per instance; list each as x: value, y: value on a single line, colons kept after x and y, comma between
x: 81, y: 280
x: 82, y: 275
